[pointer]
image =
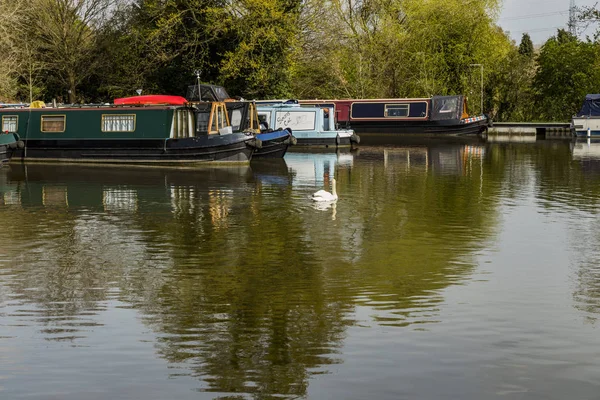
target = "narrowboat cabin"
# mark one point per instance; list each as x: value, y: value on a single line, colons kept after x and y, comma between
x: 438, y: 115
x: 244, y: 118
x: 311, y: 126
x: 142, y: 133
x: 586, y: 123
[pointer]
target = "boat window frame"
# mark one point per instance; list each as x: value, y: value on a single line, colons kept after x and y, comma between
x: 119, y: 115
x: 217, y: 118
x: 253, y: 115
x: 64, y: 116
x: 397, y: 106
x: 16, y: 122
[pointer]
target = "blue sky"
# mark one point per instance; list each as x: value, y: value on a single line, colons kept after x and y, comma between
x: 540, y: 18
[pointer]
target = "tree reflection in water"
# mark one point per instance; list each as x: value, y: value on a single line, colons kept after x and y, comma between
x: 245, y: 284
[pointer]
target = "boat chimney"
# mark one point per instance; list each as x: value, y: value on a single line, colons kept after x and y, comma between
x: 197, y: 72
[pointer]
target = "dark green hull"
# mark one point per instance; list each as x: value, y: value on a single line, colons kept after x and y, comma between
x: 148, y: 135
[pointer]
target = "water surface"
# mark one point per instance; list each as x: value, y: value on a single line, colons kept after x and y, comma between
x: 445, y: 270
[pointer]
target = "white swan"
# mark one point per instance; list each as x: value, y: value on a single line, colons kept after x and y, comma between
x: 323, y: 195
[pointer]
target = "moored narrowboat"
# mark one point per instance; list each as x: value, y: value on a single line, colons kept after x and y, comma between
x: 438, y: 115
x: 150, y: 134
x: 244, y: 118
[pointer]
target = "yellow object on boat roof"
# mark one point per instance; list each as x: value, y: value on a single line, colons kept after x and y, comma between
x: 37, y: 104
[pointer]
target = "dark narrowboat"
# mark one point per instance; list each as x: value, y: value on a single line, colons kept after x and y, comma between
x: 142, y: 133
x: 438, y: 115
x: 244, y: 118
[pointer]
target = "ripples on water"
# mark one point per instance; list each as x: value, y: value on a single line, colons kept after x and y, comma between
x: 444, y: 271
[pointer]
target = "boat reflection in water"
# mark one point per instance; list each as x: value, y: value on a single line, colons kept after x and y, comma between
x: 444, y: 160
x: 587, y: 153
x: 318, y: 168
x: 584, y: 149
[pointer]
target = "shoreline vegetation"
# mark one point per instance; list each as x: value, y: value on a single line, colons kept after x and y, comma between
x: 92, y: 51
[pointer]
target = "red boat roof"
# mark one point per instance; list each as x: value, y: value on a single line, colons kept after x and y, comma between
x: 151, y: 99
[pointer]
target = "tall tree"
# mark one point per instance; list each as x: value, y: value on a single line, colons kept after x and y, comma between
x: 65, y: 32
x: 263, y: 34
x: 12, y: 28
x: 526, y: 46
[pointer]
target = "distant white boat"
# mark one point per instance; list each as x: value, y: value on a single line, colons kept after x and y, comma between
x: 587, y: 121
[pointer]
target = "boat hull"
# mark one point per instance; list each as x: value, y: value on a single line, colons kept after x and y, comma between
x: 331, y: 141
x: 274, y: 144
x: 427, y: 128
x: 586, y: 126
x: 233, y: 148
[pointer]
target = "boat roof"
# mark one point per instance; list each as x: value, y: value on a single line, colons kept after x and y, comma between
x: 591, y: 106
x: 279, y: 106
x: 206, y: 92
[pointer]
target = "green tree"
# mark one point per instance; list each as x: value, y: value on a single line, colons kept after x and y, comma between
x: 65, y: 38
x: 259, y: 63
x: 567, y: 70
x: 12, y: 28
x: 526, y: 46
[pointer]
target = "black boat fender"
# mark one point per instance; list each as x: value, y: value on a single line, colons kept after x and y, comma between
x: 355, y: 138
x: 20, y: 144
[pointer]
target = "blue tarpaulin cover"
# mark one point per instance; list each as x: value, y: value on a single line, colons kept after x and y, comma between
x: 591, y: 106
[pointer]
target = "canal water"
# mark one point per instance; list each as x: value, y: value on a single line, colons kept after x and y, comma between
x: 446, y: 270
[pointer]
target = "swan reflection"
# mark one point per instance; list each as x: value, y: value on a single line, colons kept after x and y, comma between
x: 326, y: 206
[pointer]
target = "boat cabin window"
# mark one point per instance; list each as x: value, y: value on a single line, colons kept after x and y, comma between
x: 9, y: 123
x: 263, y: 119
x: 396, y: 110
x: 236, y: 119
x: 326, y: 119
x: 53, y: 123
x: 118, y: 123
x: 202, y: 122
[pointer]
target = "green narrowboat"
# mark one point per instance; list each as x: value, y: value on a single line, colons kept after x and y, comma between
x: 140, y: 133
